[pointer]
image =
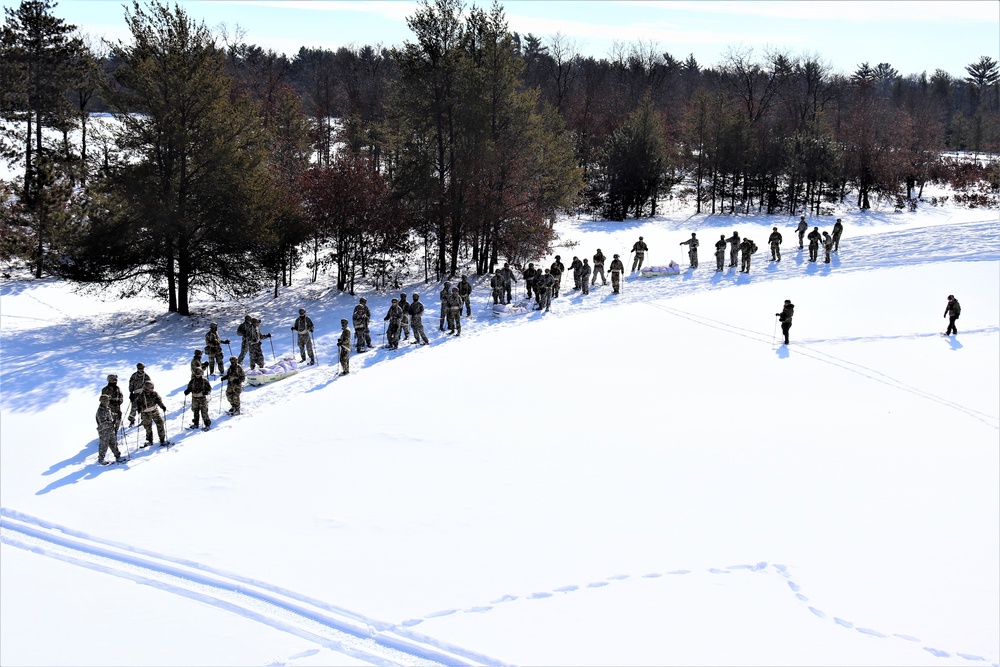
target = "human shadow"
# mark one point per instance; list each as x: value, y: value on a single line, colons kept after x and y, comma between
x: 782, y: 351
x: 953, y: 342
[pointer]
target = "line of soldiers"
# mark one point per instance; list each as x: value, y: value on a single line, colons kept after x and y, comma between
x: 830, y: 242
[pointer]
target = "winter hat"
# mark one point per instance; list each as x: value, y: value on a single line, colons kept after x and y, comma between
x: 343, y: 322
x: 105, y: 398
x: 416, y: 297
x: 302, y: 311
x: 149, y: 383
x: 140, y: 365
x: 364, y: 300
x: 198, y: 353
x: 112, y: 378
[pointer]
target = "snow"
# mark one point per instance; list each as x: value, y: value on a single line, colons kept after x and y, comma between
x: 638, y: 479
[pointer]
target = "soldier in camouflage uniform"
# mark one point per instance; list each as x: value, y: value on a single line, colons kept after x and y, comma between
x: 197, y: 364
x: 107, y: 431
x: 303, y: 326
x: 404, y: 306
x: 213, y: 348
x: 148, y: 402
x: 115, y: 398
x: 445, y: 292
x: 953, y: 310
x: 465, y: 291
x: 720, y: 253
x: 747, y: 248
x: 814, y: 237
x: 256, y: 340
x: 201, y: 390
x: 235, y: 376
x: 838, y: 229
x: 496, y: 286
x: 585, y: 276
x: 344, y: 347
x: 529, y: 278
x: 785, y: 317
x: 640, y: 249
x: 801, y: 229
x: 455, y: 312
x: 734, y: 247
x: 243, y: 331
x: 416, y: 316
x: 775, y: 242
x: 576, y: 266
x: 692, y: 244
x: 599, y: 260
x: 135, y: 385
x: 827, y: 246
x: 617, y: 269
x: 395, y: 318
x: 361, y: 317
x: 557, y: 270
x: 543, y: 288
x: 507, y: 274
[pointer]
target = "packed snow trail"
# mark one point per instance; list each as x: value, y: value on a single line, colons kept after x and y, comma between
x: 329, y: 626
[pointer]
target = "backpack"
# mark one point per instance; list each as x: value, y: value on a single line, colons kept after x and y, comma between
x: 753, y: 247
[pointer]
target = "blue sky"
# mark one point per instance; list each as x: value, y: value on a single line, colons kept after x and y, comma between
x: 911, y: 36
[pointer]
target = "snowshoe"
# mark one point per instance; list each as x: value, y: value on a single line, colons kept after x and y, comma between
x: 192, y: 426
x: 146, y: 444
x: 207, y: 428
x: 165, y: 443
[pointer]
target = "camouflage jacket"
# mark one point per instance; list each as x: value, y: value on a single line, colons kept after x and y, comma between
x: 114, y: 393
x: 213, y: 344
x: 455, y: 301
x: 640, y: 246
x: 785, y: 316
x: 734, y: 240
x: 394, y: 315
x: 599, y: 258
x: 137, y: 382
x: 345, y: 339
x: 464, y: 288
x: 235, y: 375
x: 838, y: 229
x: 802, y: 227
x: 557, y: 269
x: 813, y: 237
x: 198, y: 387
x: 148, y: 400
x: 616, y: 265
x: 197, y: 363
x: 774, y: 238
x: 693, y: 242
x: 416, y: 311
x: 105, y: 419
x: 303, y: 324
x: 720, y: 247
x: 361, y: 316
x: 954, y: 308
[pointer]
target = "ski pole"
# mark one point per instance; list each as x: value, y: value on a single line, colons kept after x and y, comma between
x: 230, y: 349
x: 383, y: 333
x: 220, y: 398
x: 312, y: 341
x: 271, y: 341
x: 293, y: 342
x: 774, y: 334
x: 183, y: 410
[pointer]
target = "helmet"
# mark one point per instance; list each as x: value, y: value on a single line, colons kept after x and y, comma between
x: 692, y: 234
x: 247, y: 318
x: 140, y: 365
x: 149, y: 383
x: 364, y: 300
x: 232, y: 359
x: 343, y: 322
x: 558, y: 257
x: 105, y: 398
x: 198, y: 353
x: 112, y: 378
x: 640, y: 238
x: 447, y: 284
x: 214, y: 325
x: 416, y: 297
x: 395, y: 300
x: 616, y: 255
x: 198, y: 372
x: 774, y: 228
x: 464, y: 277
x: 402, y: 295
x: 302, y: 311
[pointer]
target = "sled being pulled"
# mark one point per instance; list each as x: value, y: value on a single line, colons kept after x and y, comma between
x: 279, y: 370
x: 513, y: 308
x: 671, y: 269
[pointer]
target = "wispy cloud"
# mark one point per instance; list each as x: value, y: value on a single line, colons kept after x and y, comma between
x: 394, y: 10
x: 962, y: 11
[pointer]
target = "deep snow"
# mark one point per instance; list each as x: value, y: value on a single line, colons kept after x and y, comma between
x: 641, y: 479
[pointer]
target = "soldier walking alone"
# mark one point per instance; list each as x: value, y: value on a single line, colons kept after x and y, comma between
x: 838, y: 229
x: 952, y: 310
x: 640, y: 249
x: 785, y: 317
x: 303, y: 326
x: 692, y: 244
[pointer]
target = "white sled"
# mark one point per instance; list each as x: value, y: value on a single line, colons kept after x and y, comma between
x: 504, y: 309
x: 282, y: 368
x: 671, y: 269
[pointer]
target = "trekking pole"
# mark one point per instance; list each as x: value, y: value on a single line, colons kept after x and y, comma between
x: 271, y: 341
x: 293, y: 342
x: 774, y: 334
x: 230, y: 349
x: 183, y: 410
x: 383, y: 333
x: 315, y: 350
x: 220, y: 398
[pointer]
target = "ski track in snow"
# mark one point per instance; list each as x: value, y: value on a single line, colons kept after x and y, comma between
x: 764, y: 568
x: 329, y: 626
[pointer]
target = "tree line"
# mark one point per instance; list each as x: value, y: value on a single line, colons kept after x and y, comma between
x: 229, y: 165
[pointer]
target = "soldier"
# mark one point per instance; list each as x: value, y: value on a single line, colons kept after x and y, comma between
x: 617, y: 269
x: 445, y: 291
x: 544, y: 290
x: 507, y: 274
x: 256, y: 340
x: 785, y: 317
x: 775, y: 241
x: 692, y: 249
x: 599, y: 260
x: 404, y: 305
x: 529, y: 278
x: 455, y: 312
x: 416, y: 314
x: 243, y: 331
x: 361, y: 317
x: 747, y: 248
x: 576, y: 265
x: 115, y: 399
x: 201, y: 391
x: 197, y: 364
x: 838, y: 229
x: 814, y: 237
x: 827, y: 246
x: 720, y: 253
x: 235, y: 376
x: 107, y: 431
x: 952, y: 310
x: 344, y: 346
x: 465, y: 291
x: 213, y: 348
x: 148, y: 402
x: 801, y: 229
x: 585, y: 276
x: 135, y: 384
x: 557, y: 269
x: 734, y: 247
x: 640, y: 249
x: 496, y: 285
x: 303, y: 326
x: 395, y: 317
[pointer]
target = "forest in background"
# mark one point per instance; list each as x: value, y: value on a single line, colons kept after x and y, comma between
x: 228, y: 165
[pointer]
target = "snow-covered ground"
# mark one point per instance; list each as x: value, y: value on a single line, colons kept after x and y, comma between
x: 636, y: 479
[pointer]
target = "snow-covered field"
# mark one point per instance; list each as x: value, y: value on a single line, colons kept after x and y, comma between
x: 642, y: 479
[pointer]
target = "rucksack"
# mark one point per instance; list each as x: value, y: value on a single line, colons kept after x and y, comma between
x: 753, y: 247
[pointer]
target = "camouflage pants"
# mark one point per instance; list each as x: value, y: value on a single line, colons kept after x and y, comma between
x: 616, y: 281
x: 256, y: 356
x: 405, y: 323
x: 418, y: 332
x: 467, y: 300
x: 148, y: 419
x: 785, y: 327
x: 393, y: 333
x: 720, y: 259
x: 813, y: 251
x: 233, y: 391
x: 544, y: 299
x: 836, y: 242
x: 637, y: 262
x: 361, y: 336
x: 599, y: 268
x: 215, y: 357
x: 775, y: 252
x: 108, y: 439
x: 734, y: 251
x: 244, y: 348
x: 693, y: 257
x: 345, y: 358
x: 497, y: 295
x: 199, y: 408
x: 455, y: 320
x: 826, y: 259
x: 555, y: 288
x: 306, y: 346
x: 745, y: 264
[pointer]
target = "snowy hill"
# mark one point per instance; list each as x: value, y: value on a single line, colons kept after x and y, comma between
x: 637, y: 479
